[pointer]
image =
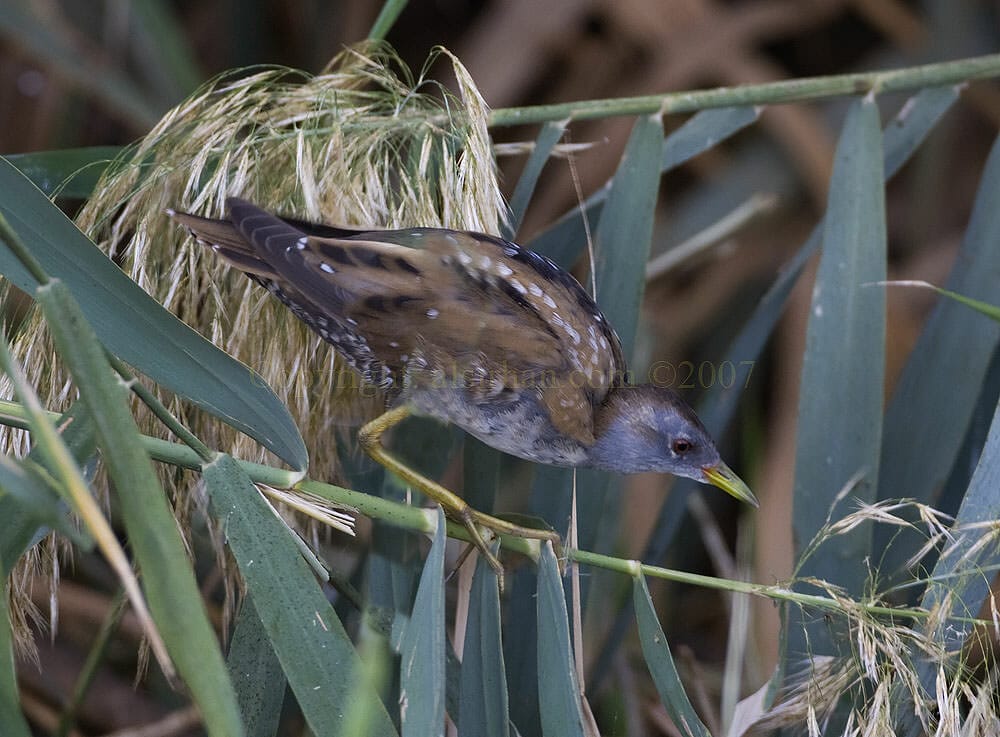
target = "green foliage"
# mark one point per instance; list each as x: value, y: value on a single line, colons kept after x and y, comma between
x: 163, y: 348
x: 306, y: 634
x: 851, y: 462
x: 837, y: 452
x: 10, y: 711
x: 661, y: 663
x: 558, y: 685
x: 484, y: 701
x: 256, y: 673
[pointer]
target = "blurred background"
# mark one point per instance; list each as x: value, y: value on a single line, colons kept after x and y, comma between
x: 101, y: 72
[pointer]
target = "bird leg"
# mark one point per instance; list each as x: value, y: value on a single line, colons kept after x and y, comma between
x: 370, y: 437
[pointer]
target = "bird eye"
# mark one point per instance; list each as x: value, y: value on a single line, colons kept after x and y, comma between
x: 682, y: 445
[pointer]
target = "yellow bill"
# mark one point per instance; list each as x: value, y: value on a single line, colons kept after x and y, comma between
x: 722, y: 476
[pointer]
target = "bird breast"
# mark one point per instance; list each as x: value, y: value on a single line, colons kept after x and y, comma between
x: 515, y: 423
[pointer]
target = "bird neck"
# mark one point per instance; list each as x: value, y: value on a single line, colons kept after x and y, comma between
x: 620, y: 446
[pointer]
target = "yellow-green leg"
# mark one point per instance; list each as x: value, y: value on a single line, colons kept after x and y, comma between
x: 370, y: 437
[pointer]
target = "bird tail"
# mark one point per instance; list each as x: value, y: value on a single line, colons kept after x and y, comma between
x: 223, y: 238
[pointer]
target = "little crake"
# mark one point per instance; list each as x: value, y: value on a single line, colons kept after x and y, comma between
x: 476, y: 331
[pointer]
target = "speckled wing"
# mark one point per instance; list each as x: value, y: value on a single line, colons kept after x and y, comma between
x: 437, y: 308
x: 548, y: 331
x: 255, y: 255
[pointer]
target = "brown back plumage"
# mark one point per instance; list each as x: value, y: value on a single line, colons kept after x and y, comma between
x: 433, y: 308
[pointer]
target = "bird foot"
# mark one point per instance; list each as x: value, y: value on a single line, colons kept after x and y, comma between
x: 476, y: 523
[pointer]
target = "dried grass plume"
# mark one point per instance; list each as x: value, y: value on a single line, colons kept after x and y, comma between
x: 360, y: 144
x: 363, y: 143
